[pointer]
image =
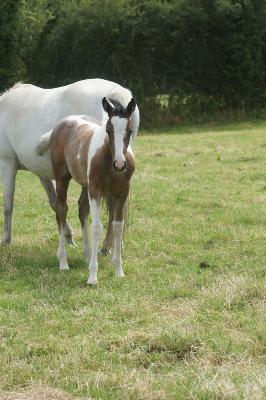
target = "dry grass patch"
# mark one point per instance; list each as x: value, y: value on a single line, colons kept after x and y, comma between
x: 37, y: 393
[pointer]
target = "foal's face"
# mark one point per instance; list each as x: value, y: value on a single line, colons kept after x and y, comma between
x: 119, y: 130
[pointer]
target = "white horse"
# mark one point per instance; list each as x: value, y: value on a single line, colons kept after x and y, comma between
x: 27, y: 112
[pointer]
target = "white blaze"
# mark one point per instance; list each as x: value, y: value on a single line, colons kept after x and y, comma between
x: 119, y: 125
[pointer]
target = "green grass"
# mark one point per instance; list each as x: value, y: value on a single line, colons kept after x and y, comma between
x: 188, y: 321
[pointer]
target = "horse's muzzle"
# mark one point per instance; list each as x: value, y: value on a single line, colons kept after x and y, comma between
x: 120, y: 165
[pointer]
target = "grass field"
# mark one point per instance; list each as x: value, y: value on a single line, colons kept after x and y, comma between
x: 187, y: 322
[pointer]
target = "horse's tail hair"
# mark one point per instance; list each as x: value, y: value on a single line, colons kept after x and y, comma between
x: 44, y: 144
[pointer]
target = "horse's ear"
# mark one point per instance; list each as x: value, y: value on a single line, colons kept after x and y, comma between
x: 107, y: 106
x: 131, y: 106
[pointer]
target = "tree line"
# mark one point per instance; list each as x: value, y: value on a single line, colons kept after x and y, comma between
x: 190, y: 56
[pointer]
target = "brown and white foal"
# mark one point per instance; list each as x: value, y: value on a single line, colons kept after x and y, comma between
x: 100, y: 159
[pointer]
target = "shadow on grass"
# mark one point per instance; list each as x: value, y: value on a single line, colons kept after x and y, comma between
x: 32, y: 265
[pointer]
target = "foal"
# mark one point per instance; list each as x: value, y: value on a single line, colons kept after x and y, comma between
x: 100, y: 159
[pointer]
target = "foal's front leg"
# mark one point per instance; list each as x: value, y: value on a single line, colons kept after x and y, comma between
x: 96, y: 233
x: 118, y: 225
x: 118, y: 235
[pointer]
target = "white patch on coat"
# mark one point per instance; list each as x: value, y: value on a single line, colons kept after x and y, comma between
x: 118, y: 235
x: 80, y: 147
x: 96, y: 233
x: 61, y: 252
x: 129, y: 149
x: 97, y: 141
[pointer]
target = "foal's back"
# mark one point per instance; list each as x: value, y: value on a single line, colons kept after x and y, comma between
x: 70, y: 142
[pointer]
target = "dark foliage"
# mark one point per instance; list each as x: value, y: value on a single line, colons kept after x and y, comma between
x: 199, y: 55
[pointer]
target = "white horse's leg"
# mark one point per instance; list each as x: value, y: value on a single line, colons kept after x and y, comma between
x: 118, y: 235
x: 96, y: 233
x: 49, y: 187
x: 8, y: 172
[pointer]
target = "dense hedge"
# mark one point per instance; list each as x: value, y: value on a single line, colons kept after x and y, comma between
x: 206, y: 54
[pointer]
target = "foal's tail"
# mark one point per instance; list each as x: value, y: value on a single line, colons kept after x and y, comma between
x: 44, y: 144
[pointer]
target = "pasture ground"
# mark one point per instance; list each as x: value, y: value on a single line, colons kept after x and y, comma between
x: 187, y: 322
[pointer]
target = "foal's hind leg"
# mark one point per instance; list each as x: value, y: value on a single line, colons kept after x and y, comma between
x: 8, y: 172
x: 61, y: 213
x: 84, y: 209
x: 49, y: 187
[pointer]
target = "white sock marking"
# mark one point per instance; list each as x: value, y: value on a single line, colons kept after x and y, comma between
x: 61, y: 252
x: 117, y: 260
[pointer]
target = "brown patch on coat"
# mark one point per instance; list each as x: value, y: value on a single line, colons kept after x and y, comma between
x: 70, y: 142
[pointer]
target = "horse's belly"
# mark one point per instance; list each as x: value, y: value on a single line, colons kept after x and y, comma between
x: 39, y: 165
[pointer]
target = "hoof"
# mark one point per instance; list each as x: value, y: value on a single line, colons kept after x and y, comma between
x: 70, y: 241
x: 5, y: 242
x: 120, y: 274
x: 64, y: 268
x: 105, y: 252
x: 92, y: 282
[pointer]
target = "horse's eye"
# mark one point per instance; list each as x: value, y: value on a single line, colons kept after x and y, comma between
x: 130, y: 131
